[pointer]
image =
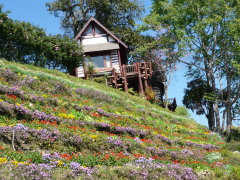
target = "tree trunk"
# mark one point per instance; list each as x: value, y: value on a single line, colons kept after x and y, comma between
x: 210, y: 117
x: 229, y: 105
x: 217, y: 117
x: 223, y: 122
x: 166, y: 95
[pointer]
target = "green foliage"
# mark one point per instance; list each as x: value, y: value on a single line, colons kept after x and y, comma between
x: 182, y: 111
x: 90, y: 69
x: 29, y: 44
x: 207, y: 32
x: 132, y: 92
x: 194, y: 96
x: 101, y: 80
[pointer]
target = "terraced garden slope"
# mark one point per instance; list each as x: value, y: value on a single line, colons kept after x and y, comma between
x: 54, y: 126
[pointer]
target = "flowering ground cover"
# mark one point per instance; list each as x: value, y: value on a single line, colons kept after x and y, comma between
x: 54, y: 126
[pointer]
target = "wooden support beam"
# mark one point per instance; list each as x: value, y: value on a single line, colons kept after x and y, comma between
x: 145, y: 84
x: 140, y: 85
x: 115, y: 78
x: 124, y: 78
x: 150, y: 68
x: 145, y: 69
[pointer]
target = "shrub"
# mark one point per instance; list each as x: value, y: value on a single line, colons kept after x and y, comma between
x: 182, y: 111
x: 150, y: 94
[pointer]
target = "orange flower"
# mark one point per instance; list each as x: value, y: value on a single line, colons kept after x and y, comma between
x: 86, y: 101
x: 146, y: 140
x: 12, y: 96
x: 1, y: 148
x: 95, y: 114
x: 107, y: 156
x: 138, y: 155
x: 73, y: 127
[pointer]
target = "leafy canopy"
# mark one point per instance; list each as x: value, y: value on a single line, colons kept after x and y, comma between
x: 25, y: 43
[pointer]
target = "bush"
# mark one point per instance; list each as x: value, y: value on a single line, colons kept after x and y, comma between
x: 182, y: 111
x: 151, y: 96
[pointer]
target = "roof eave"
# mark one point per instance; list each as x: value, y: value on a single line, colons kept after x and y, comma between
x: 103, y: 27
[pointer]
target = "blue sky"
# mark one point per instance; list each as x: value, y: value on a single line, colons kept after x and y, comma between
x: 35, y: 12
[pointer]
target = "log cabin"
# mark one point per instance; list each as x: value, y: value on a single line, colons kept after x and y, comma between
x: 109, y: 54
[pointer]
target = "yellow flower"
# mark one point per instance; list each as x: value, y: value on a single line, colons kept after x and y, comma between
x: 2, y: 124
x: 154, y: 132
x: 93, y: 136
x: 44, y: 95
x: 63, y: 115
x: 71, y: 116
x: 60, y: 163
x: 24, y: 163
x: 12, y: 125
x: 3, y: 160
x: 18, y: 104
x: 1, y: 100
x: 35, y: 77
x: 15, y: 163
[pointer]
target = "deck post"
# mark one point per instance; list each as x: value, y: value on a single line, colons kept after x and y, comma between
x: 150, y: 68
x: 115, y: 78
x: 140, y: 85
x: 146, y: 77
x: 125, y: 78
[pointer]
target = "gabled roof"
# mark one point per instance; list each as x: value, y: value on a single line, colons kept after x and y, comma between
x: 92, y: 19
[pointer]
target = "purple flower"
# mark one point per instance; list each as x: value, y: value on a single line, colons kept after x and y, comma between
x: 115, y: 142
x: 164, y: 139
x: 74, y: 165
x: 20, y: 127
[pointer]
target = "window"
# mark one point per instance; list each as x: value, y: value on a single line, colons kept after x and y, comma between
x: 100, y: 61
x: 98, y: 31
x: 88, y: 31
x: 108, y: 61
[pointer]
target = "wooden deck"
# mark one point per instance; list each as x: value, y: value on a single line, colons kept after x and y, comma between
x: 140, y: 72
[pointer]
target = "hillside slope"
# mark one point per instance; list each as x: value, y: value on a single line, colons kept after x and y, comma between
x: 55, y: 126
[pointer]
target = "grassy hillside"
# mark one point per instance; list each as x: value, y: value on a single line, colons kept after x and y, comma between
x: 55, y: 126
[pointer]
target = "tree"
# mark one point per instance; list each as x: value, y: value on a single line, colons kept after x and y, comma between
x: 161, y: 50
x: 198, y: 98
x: 198, y: 24
x: 25, y: 43
x: 118, y: 16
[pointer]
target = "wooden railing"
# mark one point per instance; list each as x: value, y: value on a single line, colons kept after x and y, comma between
x: 132, y: 69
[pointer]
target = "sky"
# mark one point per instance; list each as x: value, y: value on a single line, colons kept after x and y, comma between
x: 35, y: 12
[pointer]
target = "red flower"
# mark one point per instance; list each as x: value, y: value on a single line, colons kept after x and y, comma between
x: 175, y: 161
x: 138, y: 155
x: 73, y: 127
x: 95, y: 114
x: 107, y: 156
x: 12, y: 96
